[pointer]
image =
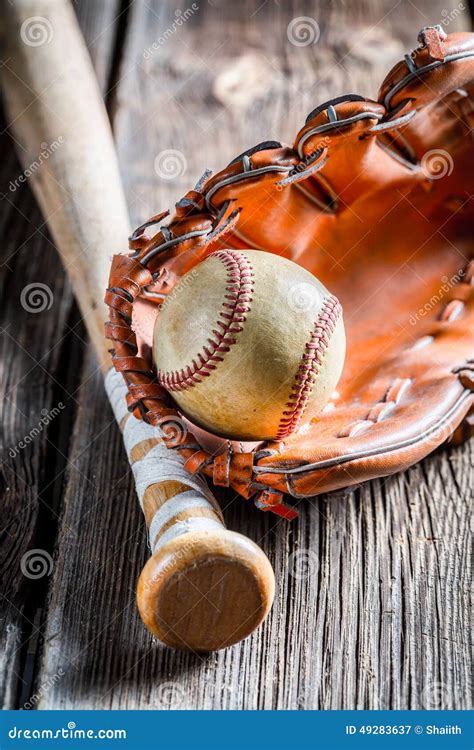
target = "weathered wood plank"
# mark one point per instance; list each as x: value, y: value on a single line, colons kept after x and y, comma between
x: 41, y: 349
x: 28, y: 393
x: 371, y: 607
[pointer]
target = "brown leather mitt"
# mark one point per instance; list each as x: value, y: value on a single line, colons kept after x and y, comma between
x: 375, y: 198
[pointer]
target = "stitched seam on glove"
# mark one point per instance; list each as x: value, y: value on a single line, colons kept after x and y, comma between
x: 238, y: 296
x: 310, y: 366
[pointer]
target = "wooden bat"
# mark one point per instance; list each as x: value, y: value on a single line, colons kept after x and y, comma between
x: 204, y: 587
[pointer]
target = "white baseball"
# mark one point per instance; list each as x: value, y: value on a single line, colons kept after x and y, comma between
x: 250, y: 345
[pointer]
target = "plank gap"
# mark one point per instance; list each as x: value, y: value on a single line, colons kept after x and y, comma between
x: 67, y: 377
x: 121, y: 24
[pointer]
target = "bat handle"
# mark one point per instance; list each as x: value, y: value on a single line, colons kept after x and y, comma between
x: 204, y: 587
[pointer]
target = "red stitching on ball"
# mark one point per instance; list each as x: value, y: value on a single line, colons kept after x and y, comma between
x: 238, y: 296
x: 309, y: 368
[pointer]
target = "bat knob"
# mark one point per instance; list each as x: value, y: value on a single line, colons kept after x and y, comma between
x: 205, y: 590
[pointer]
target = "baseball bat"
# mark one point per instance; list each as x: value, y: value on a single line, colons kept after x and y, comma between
x: 204, y: 587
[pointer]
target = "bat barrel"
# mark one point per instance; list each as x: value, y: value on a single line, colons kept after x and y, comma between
x: 60, y: 124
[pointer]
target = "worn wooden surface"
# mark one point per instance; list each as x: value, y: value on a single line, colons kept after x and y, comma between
x: 372, y: 586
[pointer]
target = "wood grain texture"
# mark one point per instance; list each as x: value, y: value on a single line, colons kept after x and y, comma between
x: 29, y: 390
x: 52, y: 97
x: 200, y: 591
x: 41, y: 351
x: 371, y: 607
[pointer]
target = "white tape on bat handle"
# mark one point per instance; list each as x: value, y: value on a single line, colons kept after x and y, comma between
x: 194, y: 509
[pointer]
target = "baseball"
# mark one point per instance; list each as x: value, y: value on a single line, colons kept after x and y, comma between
x: 250, y: 345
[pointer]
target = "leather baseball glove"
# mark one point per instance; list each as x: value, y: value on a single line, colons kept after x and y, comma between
x: 375, y: 198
